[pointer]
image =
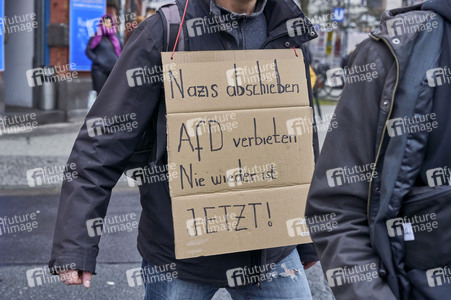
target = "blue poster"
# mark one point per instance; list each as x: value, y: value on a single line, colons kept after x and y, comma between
x: 2, y: 36
x: 84, y: 19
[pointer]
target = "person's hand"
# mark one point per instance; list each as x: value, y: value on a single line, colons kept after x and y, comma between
x: 74, y: 277
x: 308, y: 264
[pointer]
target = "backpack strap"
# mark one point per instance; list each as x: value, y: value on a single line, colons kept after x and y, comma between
x: 171, y: 17
x: 152, y: 146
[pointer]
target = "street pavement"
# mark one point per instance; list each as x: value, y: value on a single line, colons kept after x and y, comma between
x: 48, y: 146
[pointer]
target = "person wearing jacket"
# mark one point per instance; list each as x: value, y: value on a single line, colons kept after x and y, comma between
x: 101, y: 158
x: 103, y: 50
x: 381, y: 183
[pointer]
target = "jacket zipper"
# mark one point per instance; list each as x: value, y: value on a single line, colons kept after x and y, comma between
x: 240, y: 37
x: 388, y: 118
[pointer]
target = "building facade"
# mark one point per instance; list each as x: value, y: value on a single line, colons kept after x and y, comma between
x: 36, y: 36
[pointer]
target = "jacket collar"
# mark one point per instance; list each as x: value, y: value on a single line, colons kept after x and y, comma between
x: 277, y: 13
x: 442, y: 7
x: 280, y: 12
x: 216, y: 9
x: 403, y: 26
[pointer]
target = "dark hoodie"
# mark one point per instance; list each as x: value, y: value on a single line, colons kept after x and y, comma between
x: 439, y: 147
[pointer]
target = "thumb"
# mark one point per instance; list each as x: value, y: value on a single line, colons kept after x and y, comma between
x: 87, y: 279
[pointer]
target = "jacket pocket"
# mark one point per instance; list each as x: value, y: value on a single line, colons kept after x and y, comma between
x: 428, y: 210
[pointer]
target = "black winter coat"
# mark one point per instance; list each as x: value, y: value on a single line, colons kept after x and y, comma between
x: 101, y: 159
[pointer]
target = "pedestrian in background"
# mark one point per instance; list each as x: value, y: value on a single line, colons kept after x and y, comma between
x: 104, y: 50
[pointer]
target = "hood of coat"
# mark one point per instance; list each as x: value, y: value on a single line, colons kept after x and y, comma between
x: 407, y: 26
x: 441, y: 7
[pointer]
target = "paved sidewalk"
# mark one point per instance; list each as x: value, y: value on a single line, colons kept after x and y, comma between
x: 47, y: 146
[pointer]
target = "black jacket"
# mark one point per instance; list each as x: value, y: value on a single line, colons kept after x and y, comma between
x: 368, y: 167
x: 103, y: 56
x: 101, y: 159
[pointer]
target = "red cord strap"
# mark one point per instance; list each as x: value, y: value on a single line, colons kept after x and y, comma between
x: 180, y: 29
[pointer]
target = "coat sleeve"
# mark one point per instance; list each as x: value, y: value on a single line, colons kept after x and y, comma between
x: 337, y: 198
x: 124, y: 109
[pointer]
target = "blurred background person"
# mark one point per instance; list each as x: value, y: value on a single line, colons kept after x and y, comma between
x: 104, y: 50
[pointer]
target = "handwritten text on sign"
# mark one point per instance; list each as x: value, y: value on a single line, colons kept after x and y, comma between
x: 240, y: 135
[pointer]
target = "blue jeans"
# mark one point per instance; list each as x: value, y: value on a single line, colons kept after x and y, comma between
x: 286, y: 280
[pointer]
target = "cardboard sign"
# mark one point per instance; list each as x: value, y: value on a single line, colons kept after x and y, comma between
x: 240, y: 133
